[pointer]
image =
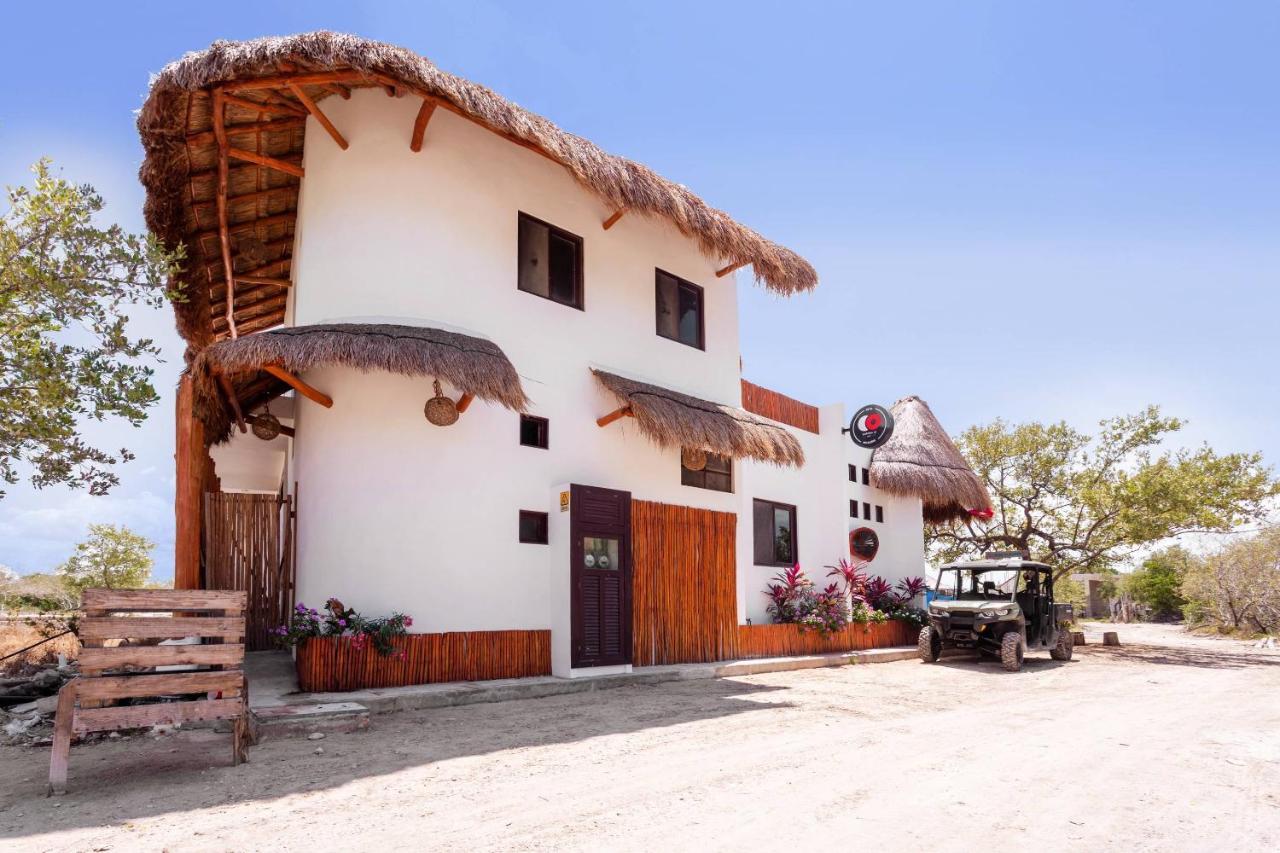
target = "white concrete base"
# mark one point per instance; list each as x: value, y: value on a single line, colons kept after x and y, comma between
x: 597, y: 671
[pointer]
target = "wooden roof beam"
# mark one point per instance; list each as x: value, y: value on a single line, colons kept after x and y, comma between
x: 275, y: 109
x: 318, y: 114
x: 224, y: 237
x: 420, y: 124
x: 247, y: 127
x: 276, y: 81
x: 298, y: 385
x: 616, y: 414
x: 721, y: 273
x: 613, y: 220
x: 225, y: 383
x: 270, y: 162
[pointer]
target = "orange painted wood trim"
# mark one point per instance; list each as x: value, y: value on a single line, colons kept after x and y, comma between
x: 779, y: 407
x: 616, y: 414
x: 298, y: 385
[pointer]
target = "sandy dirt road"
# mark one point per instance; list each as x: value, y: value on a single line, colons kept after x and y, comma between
x: 1170, y: 742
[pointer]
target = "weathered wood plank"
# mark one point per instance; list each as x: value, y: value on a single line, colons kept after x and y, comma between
x: 160, y: 684
x: 93, y: 661
x: 138, y: 716
x: 153, y: 600
x: 160, y: 628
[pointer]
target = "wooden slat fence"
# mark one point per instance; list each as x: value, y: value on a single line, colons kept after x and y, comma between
x: 248, y: 545
x: 328, y: 664
x: 767, y: 641
x: 779, y: 407
x: 684, y: 584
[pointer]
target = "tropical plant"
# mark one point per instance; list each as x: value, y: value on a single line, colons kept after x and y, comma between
x: 878, y: 593
x: 338, y: 620
x: 65, y: 349
x: 786, y: 593
x: 825, y: 612
x: 852, y: 574
x: 909, y: 589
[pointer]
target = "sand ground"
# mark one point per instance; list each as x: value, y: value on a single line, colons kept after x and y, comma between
x: 1170, y: 742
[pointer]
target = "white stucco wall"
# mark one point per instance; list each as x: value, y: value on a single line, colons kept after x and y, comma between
x: 397, y: 515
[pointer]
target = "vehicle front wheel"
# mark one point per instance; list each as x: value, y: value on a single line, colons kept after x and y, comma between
x: 929, y: 645
x: 1011, y: 651
x: 1063, y: 649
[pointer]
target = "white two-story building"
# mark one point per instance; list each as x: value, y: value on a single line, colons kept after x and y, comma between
x: 448, y: 359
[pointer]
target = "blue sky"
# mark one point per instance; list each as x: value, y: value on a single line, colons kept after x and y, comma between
x: 1028, y: 210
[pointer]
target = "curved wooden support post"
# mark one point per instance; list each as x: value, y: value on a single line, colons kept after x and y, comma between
x: 721, y: 273
x: 613, y: 220
x: 464, y: 402
x: 420, y: 124
x: 616, y: 414
x: 318, y: 114
x: 298, y: 385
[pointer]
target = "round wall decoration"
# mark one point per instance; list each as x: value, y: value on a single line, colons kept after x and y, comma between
x: 266, y: 426
x: 441, y: 410
x: 864, y: 542
x: 870, y: 426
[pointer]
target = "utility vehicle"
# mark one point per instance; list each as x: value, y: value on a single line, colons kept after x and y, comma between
x: 1001, y: 606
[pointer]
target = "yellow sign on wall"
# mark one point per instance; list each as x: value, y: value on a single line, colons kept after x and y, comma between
x: 564, y: 501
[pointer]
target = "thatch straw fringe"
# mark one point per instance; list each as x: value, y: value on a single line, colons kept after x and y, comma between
x: 920, y: 460
x: 177, y: 105
x: 471, y: 365
x: 671, y: 419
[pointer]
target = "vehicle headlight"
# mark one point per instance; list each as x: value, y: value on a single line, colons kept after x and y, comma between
x: 994, y: 614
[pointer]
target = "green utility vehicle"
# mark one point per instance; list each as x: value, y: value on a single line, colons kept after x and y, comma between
x: 1001, y: 606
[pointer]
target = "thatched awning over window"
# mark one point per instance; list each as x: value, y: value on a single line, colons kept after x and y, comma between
x: 920, y: 460
x: 268, y: 87
x: 672, y: 419
x: 472, y: 365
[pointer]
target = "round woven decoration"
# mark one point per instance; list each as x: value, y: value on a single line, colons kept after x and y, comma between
x: 441, y: 410
x: 266, y: 426
x: 693, y: 459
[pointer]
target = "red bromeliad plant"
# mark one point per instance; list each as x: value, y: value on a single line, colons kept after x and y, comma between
x: 787, y: 593
x: 853, y: 574
x: 877, y: 593
x: 909, y: 589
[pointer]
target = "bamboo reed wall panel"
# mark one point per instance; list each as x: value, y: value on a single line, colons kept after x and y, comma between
x: 779, y: 407
x: 248, y: 545
x: 684, y: 584
x: 768, y: 641
x: 327, y: 664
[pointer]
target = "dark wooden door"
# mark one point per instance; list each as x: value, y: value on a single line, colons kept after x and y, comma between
x: 600, y: 574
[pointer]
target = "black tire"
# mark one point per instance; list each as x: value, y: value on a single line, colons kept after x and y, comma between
x: 1063, y: 649
x: 929, y: 644
x: 1012, y: 650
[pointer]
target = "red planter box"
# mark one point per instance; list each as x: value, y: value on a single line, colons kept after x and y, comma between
x: 335, y: 664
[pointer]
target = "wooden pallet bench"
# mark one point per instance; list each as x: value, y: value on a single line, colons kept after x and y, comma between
x: 112, y: 673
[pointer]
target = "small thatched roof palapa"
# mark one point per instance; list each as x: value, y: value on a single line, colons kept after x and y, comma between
x: 472, y: 365
x: 672, y: 419
x: 920, y: 460
x: 264, y: 115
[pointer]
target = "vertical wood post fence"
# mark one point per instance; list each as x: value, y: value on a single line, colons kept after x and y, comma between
x: 248, y: 545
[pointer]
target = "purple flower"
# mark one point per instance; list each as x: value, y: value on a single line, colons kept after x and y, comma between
x: 342, y: 623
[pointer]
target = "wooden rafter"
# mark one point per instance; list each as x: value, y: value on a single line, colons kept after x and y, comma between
x: 464, y: 402
x: 276, y: 81
x: 248, y: 127
x: 318, y: 114
x: 259, y: 279
x: 254, y: 225
x: 298, y: 385
x: 613, y: 220
x: 230, y: 392
x: 263, y: 107
x: 721, y: 273
x: 420, y: 124
x: 220, y: 133
x: 270, y: 162
x: 616, y: 414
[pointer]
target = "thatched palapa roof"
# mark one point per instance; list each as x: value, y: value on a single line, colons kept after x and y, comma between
x: 920, y: 460
x: 269, y: 85
x: 672, y: 419
x: 472, y: 365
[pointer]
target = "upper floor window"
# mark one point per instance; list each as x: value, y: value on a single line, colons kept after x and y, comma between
x: 550, y: 262
x: 775, y: 534
x: 679, y: 309
x: 534, y: 431
x: 716, y: 475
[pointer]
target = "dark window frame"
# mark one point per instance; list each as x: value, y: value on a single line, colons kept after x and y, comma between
x: 866, y: 510
x: 544, y: 427
x: 853, y: 508
x: 853, y: 473
x: 879, y: 514
x: 686, y: 475
x: 540, y: 536
x: 580, y: 299
x: 658, y: 272
x: 774, y: 506
x: 866, y: 476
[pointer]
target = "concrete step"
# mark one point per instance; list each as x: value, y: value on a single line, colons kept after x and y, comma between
x: 302, y: 720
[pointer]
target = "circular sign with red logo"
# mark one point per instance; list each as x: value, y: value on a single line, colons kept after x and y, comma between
x: 871, y: 426
x: 864, y: 542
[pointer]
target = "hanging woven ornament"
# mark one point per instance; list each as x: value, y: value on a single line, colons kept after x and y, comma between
x: 440, y: 410
x: 693, y: 459
x: 266, y: 426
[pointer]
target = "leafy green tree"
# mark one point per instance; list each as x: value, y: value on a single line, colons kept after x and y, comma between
x: 111, y: 558
x: 1237, y: 587
x: 1157, y: 583
x: 65, y: 350
x: 1086, y: 502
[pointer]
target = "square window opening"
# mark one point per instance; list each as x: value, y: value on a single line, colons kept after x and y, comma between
x: 534, y: 431
x: 774, y: 534
x: 679, y: 306
x: 533, y: 527
x: 550, y: 262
